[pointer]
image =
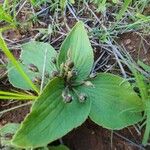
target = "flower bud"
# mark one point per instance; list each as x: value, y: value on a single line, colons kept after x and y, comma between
x: 47, y: 75
x: 74, y: 72
x: 82, y: 97
x: 67, y: 98
x: 69, y: 74
x: 53, y: 60
x: 70, y: 64
x: 88, y: 83
x: 64, y: 93
x: 33, y: 68
x: 37, y: 80
x: 62, y: 71
x: 93, y: 75
x: 55, y: 74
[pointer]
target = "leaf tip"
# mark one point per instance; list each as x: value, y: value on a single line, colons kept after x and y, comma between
x: 80, y: 24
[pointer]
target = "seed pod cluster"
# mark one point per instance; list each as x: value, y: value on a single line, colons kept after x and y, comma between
x: 67, y: 70
x: 71, y: 74
x: 62, y: 70
x: 68, y: 65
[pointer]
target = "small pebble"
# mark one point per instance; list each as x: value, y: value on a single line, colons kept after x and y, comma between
x: 4, y: 122
x: 130, y: 47
x: 128, y: 41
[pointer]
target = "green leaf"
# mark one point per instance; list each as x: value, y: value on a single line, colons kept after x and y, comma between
x: 11, y: 58
x: 6, y: 130
x: 9, y: 128
x: 144, y: 66
x: 114, y: 103
x: 123, y: 10
x: 63, y: 3
x: 43, y: 148
x: 79, y: 48
x: 141, y: 84
x: 115, y: 1
x: 4, y: 95
x: 50, y: 117
x: 60, y: 147
x: 101, y: 5
x: 5, y: 16
x: 37, y: 2
x: 147, y: 129
x: 16, y: 79
x: 34, y: 53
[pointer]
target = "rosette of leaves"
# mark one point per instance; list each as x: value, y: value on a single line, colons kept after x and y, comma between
x: 73, y: 95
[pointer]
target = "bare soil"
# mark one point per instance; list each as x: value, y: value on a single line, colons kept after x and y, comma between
x: 137, y: 46
x: 92, y: 137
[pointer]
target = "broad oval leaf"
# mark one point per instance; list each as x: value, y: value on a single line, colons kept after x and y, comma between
x: 8, y: 129
x: 16, y: 79
x: 78, y: 46
x: 50, y: 117
x: 33, y: 53
x: 114, y: 103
